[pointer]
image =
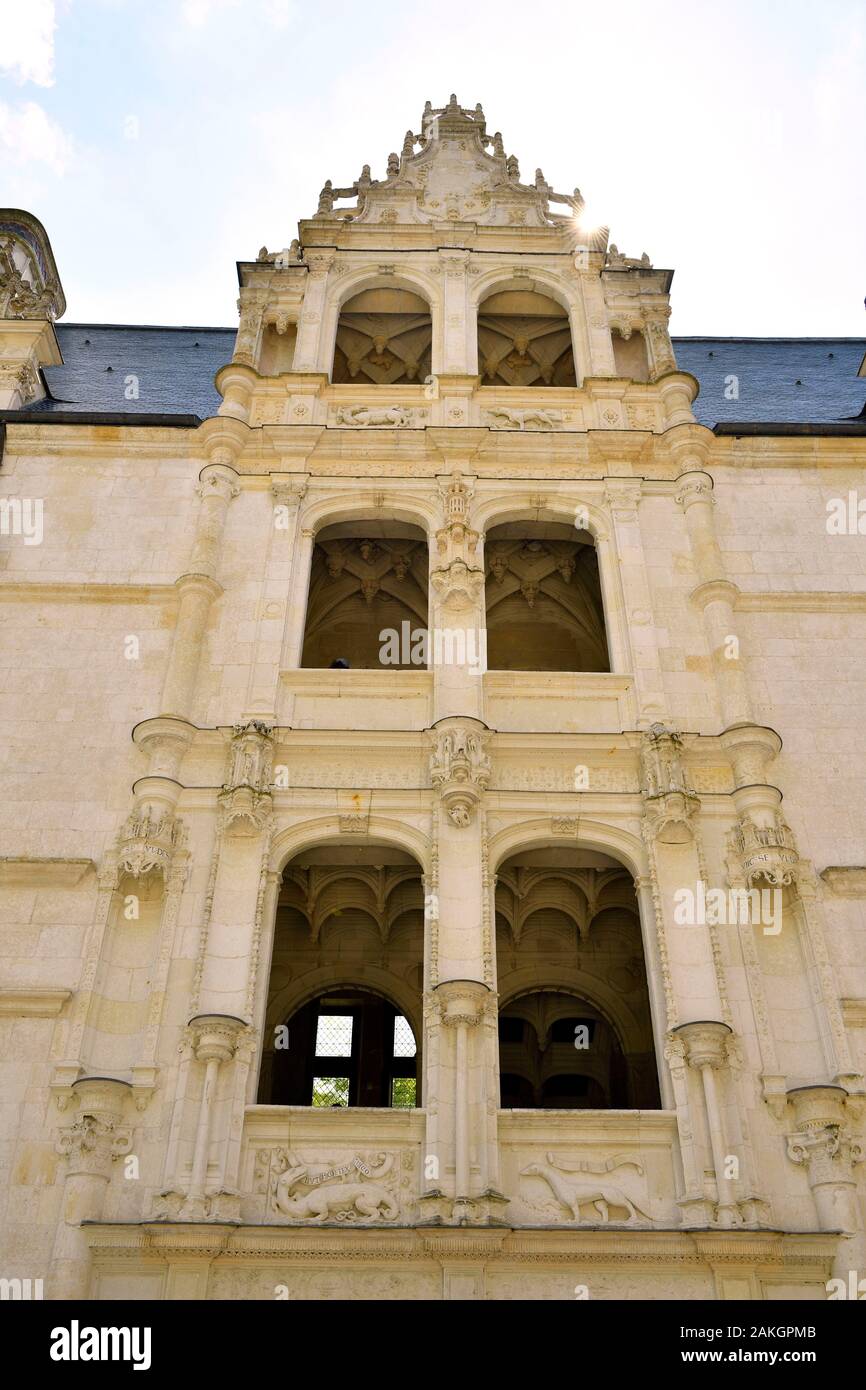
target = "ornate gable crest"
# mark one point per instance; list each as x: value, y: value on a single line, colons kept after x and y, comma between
x: 452, y: 171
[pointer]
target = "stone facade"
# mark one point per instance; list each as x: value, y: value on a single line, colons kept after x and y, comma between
x: 176, y: 778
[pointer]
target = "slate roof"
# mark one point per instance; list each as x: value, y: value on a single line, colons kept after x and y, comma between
x: 785, y: 380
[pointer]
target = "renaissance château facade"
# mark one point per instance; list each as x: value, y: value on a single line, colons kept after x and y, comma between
x: 433, y: 816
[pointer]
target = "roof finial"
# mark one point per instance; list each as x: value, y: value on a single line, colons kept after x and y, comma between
x: 408, y: 145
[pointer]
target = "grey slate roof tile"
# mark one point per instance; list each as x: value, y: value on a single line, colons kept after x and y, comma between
x: 175, y: 369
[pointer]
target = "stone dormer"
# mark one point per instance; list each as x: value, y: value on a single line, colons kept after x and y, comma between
x: 446, y: 280
x: 31, y: 297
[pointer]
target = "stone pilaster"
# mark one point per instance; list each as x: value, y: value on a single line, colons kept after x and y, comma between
x: 90, y: 1145
x: 198, y: 587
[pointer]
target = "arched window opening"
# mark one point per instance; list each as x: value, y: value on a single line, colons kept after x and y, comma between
x: 346, y: 1048
x: 524, y: 339
x: 630, y: 355
x: 345, y: 985
x: 367, y: 605
x: 384, y: 337
x: 575, y: 1032
x: 544, y: 603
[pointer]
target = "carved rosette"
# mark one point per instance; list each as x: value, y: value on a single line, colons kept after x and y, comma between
x: 245, y: 801
x: 460, y: 767
x: 670, y: 802
x: 763, y: 851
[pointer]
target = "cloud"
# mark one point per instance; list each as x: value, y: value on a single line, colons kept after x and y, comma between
x: 28, y: 42
x: 196, y: 13
x: 29, y: 136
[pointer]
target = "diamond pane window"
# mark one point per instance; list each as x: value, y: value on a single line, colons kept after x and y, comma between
x: 334, y: 1035
x: 403, y: 1089
x: 330, y: 1090
x: 404, y: 1041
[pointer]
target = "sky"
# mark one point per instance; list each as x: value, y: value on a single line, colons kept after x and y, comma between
x: 161, y: 142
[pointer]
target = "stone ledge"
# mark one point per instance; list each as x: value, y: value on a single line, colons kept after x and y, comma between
x: 20, y: 871
x: 32, y: 1001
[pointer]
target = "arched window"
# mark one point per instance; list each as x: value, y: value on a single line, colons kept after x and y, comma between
x: 575, y: 1031
x: 367, y: 604
x: 524, y: 339
x: 347, y: 1047
x: 384, y: 337
x: 344, y: 992
x: 543, y: 597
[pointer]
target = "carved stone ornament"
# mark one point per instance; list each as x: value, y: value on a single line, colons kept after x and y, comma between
x: 828, y: 1152
x: 669, y: 800
x: 355, y: 1191
x: 460, y: 767
x: 588, y: 1186
x: 763, y: 851
x: 501, y: 417
x: 149, y: 842
x: 452, y: 169
x: 245, y: 801
x: 96, y: 1136
x: 456, y: 577
x: 393, y: 417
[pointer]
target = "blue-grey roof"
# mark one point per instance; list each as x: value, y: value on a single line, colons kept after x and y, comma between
x: 174, y: 369
x: 783, y: 380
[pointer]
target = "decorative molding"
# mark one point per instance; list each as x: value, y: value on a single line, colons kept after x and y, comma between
x: 845, y: 881
x: 21, y: 871
x: 32, y: 1001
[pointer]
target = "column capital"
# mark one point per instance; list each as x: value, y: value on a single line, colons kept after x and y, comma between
x: 706, y: 1042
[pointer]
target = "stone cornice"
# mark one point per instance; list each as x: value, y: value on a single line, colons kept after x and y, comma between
x: 32, y: 1001
x: 20, y: 871
x: 807, y: 1252
x: 48, y: 591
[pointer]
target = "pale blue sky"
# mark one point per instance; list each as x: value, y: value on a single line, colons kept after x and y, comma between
x: 161, y: 142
